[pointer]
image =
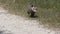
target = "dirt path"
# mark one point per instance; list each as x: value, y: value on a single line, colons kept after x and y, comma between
x: 13, y: 24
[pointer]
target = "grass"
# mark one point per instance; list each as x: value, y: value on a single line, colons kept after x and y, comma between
x: 48, y: 10
x: 50, y: 17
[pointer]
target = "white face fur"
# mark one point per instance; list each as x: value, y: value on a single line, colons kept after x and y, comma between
x: 34, y: 8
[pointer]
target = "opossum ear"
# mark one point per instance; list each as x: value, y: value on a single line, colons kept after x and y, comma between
x: 31, y: 5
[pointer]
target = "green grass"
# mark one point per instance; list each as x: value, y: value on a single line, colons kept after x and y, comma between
x: 48, y: 10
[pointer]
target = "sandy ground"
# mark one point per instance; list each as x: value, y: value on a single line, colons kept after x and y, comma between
x: 14, y: 24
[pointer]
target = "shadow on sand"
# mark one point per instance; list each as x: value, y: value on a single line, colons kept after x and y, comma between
x: 4, y: 32
x: 34, y: 16
x: 1, y: 32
